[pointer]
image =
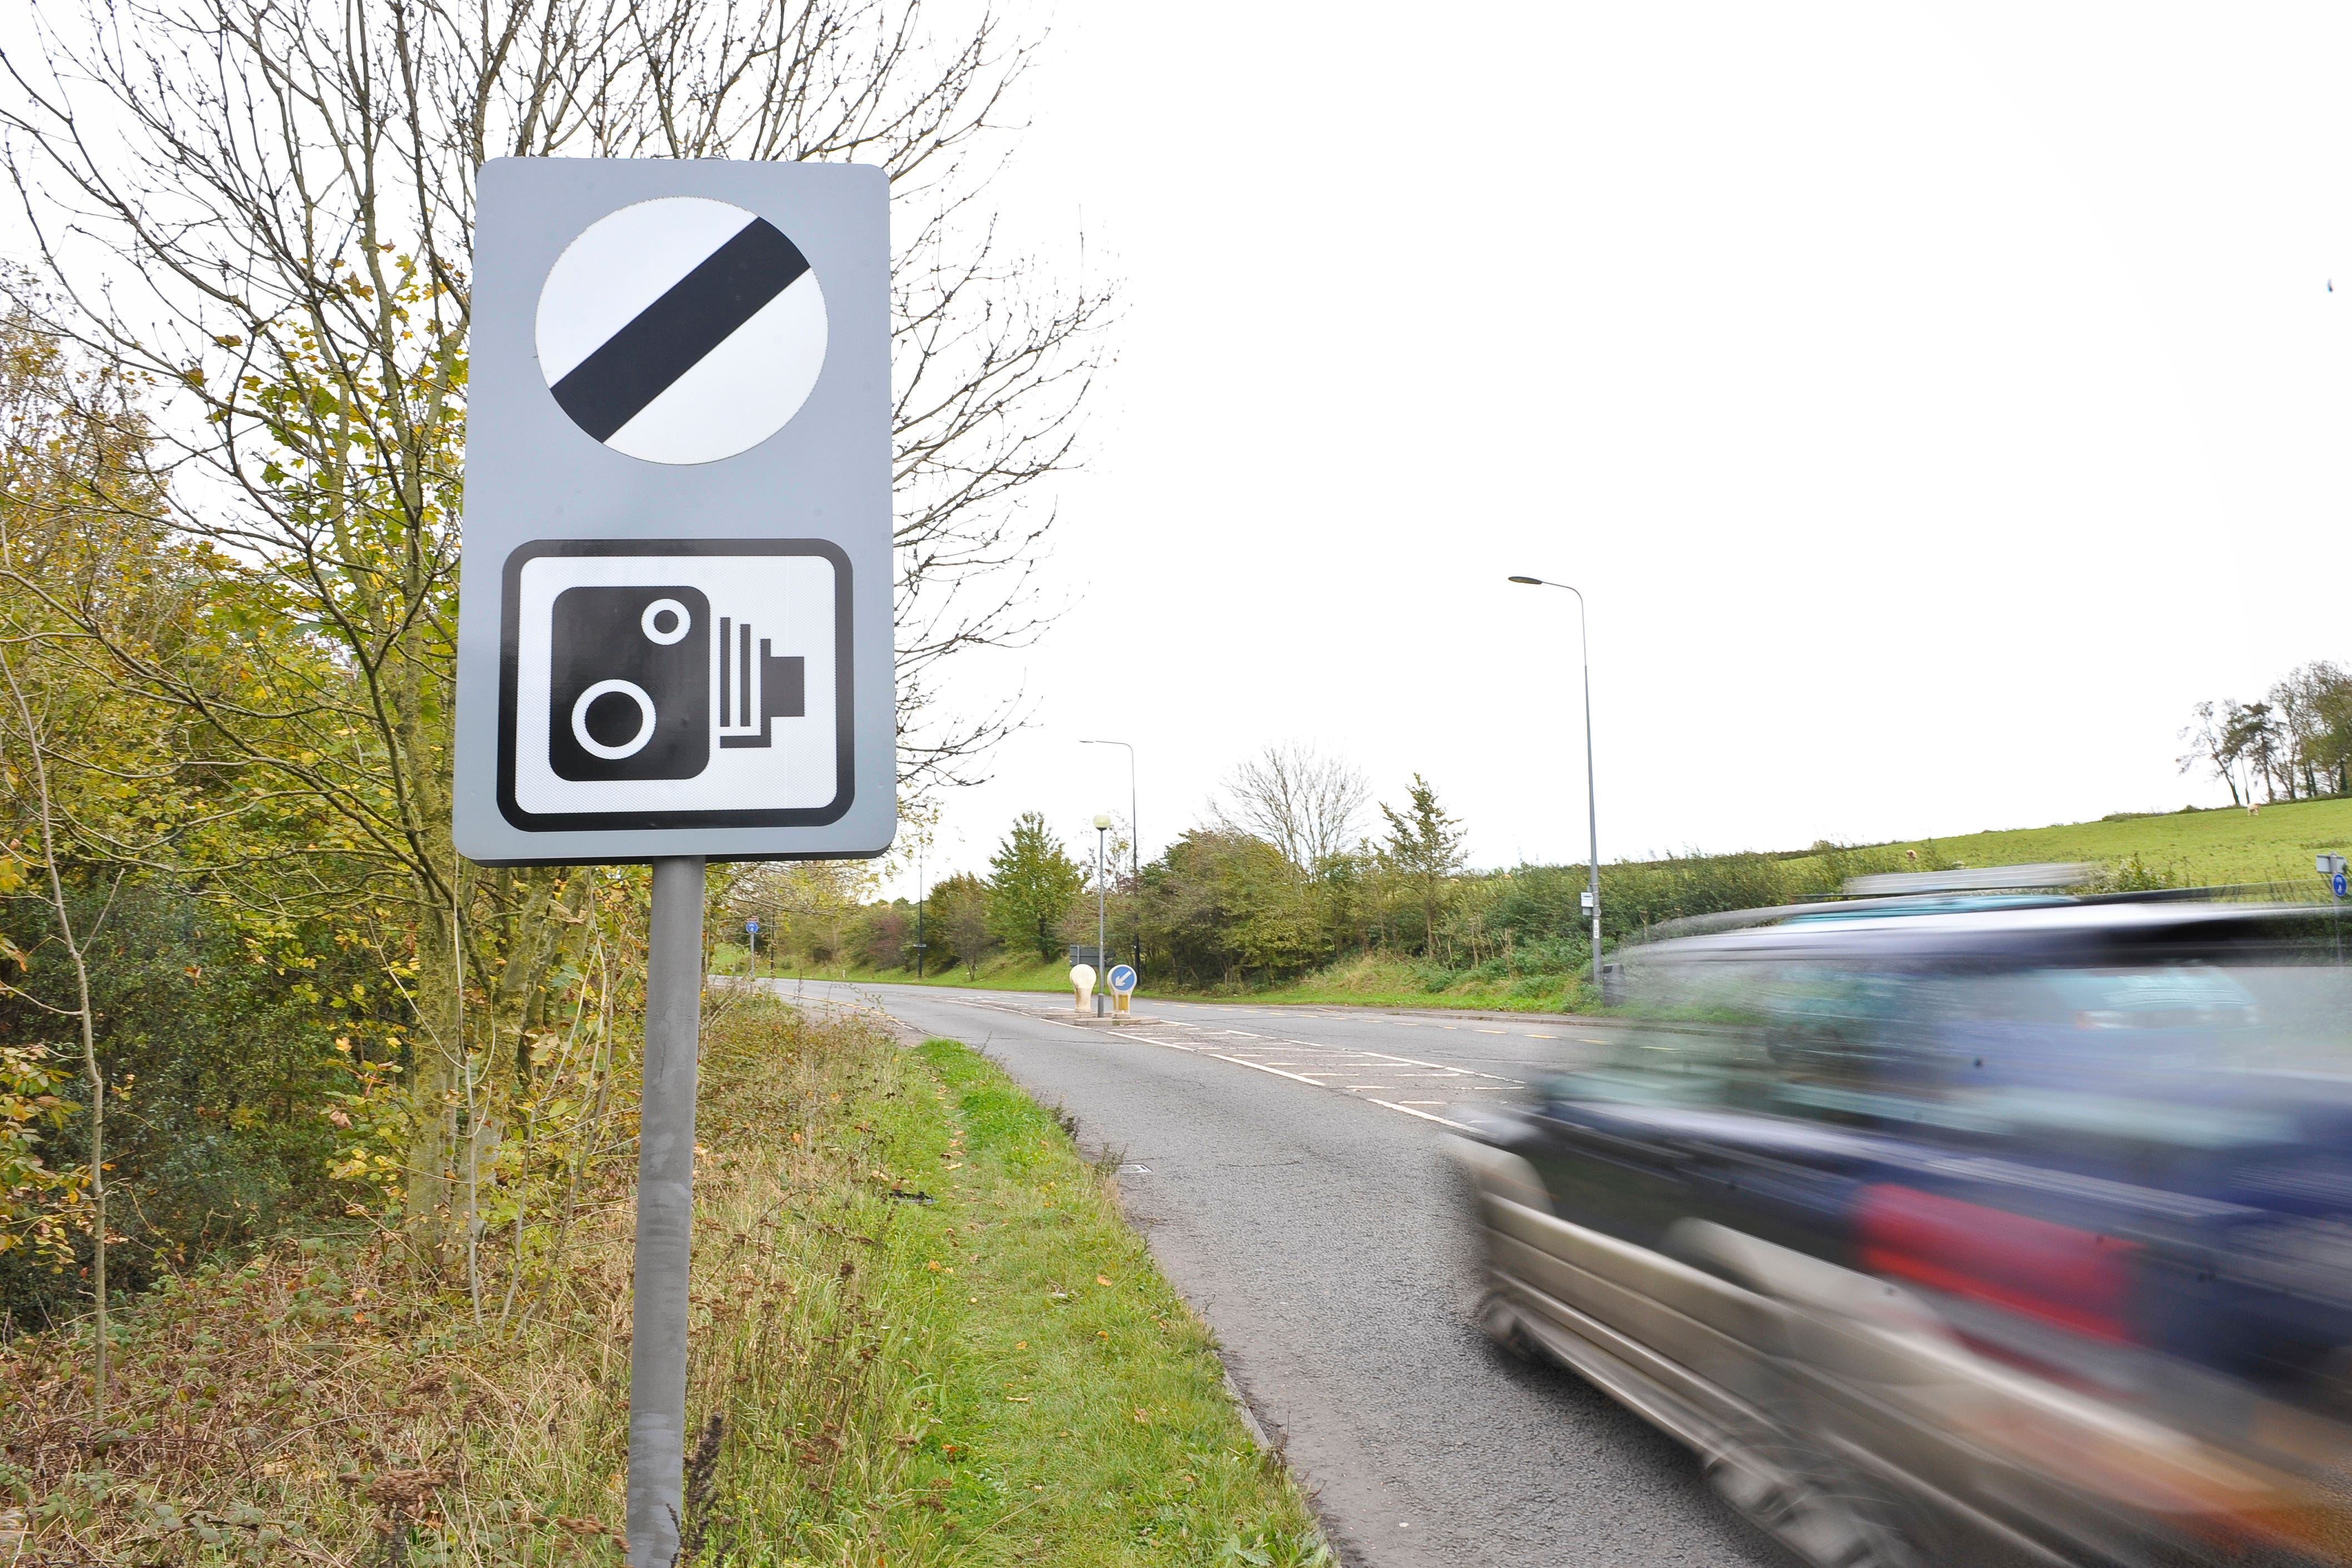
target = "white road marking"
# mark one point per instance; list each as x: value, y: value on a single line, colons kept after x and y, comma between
x: 1397, y: 1105
x: 1312, y: 1080
x: 1278, y: 1072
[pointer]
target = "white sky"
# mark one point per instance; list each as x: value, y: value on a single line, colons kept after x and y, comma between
x: 1934, y: 401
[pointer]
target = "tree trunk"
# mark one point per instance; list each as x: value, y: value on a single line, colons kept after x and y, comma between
x: 437, y: 1058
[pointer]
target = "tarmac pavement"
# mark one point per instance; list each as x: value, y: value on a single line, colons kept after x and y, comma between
x: 1286, y: 1163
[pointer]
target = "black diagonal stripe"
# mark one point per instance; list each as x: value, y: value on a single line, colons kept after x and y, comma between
x: 671, y: 337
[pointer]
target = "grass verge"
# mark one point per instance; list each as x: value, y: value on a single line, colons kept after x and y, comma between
x: 923, y: 1335
x: 998, y: 972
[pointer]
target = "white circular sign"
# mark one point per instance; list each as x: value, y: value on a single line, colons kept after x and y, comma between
x: 681, y: 331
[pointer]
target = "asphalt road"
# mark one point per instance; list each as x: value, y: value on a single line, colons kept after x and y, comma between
x: 1286, y: 1165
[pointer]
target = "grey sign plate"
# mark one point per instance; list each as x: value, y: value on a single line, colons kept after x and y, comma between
x: 673, y: 634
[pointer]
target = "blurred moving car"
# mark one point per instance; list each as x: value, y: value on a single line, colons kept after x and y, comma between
x: 1965, y: 1229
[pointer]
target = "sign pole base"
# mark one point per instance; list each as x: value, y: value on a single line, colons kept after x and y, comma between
x: 665, y: 1214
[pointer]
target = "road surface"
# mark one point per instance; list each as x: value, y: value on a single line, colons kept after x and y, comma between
x: 1285, y: 1163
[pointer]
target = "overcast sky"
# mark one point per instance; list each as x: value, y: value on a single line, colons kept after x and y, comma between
x: 1933, y: 401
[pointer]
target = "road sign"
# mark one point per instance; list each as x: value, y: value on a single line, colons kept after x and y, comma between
x: 1122, y: 978
x: 674, y: 634
x: 2339, y: 884
x: 2330, y: 864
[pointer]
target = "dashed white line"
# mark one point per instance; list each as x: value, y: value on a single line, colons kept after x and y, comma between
x: 1408, y: 1110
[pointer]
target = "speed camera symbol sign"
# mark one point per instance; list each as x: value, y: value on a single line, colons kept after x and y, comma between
x: 683, y: 683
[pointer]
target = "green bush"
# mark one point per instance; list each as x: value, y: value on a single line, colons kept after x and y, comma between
x: 220, y: 1055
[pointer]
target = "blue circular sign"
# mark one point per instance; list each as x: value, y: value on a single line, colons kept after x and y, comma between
x: 752, y: 927
x: 1123, y: 977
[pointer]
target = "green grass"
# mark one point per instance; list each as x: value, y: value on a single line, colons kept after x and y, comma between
x: 1383, y: 980
x: 998, y: 972
x: 2200, y: 847
x: 924, y: 1331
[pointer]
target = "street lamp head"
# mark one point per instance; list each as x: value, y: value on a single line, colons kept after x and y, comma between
x: 1102, y: 823
x: 1530, y: 582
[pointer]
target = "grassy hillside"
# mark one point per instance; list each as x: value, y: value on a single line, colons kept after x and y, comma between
x: 2199, y: 848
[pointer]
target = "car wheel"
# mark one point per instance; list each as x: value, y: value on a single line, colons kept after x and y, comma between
x: 1503, y: 1325
x: 1817, y: 1508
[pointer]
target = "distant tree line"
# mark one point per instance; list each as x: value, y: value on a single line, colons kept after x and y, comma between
x: 2296, y: 744
x: 1296, y: 868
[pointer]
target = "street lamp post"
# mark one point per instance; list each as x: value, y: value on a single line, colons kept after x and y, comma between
x: 1102, y: 906
x: 1591, y: 805
x: 919, y: 909
x: 1134, y: 849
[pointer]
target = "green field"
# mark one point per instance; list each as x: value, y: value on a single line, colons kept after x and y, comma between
x: 2198, y: 849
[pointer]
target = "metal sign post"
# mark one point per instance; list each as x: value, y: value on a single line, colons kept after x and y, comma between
x: 658, y: 1315
x: 1102, y: 893
x: 674, y: 637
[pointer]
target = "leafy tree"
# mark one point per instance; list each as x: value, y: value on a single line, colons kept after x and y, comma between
x: 811, y: 910
x: 295, y: 298
x: 1425, y: 849
x: 881, y: 936
x: 1030, y: 886
x: 2313, y: 705
x: 2331, y: 709
x: 957, y: 924
x: 1222, y: 906
x: 2251, y: 736
x: 2211, y: 744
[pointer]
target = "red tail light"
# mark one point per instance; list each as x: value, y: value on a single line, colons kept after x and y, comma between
x: 2077, y: 1278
